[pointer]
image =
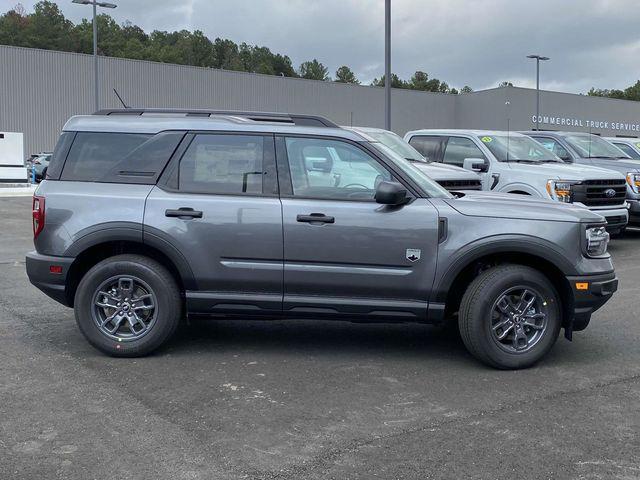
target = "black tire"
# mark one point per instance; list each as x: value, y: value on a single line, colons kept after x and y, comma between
x: 164, y: 292
x: 476, y: 314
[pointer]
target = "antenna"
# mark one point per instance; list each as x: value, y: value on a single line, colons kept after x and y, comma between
x: 120, y: 98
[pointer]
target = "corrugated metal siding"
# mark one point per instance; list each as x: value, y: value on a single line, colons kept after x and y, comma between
x: 41, y: 89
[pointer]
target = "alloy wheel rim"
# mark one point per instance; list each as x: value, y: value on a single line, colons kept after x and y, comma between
x: 519, y: 319
x: 124, y: 308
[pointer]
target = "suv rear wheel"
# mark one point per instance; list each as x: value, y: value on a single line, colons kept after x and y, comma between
x: 510, y: 316
x: 127, y: 305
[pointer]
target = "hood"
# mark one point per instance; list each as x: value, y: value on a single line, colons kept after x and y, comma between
x: 623, y: 166
x: 509, y: 205
x: 566, y: 171
x: 441, y: 171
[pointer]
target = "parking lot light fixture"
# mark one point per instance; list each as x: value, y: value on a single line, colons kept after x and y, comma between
x: 95, y: 5
x: 538, y: 58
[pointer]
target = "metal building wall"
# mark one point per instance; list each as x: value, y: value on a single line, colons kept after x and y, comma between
x: 41, y: 89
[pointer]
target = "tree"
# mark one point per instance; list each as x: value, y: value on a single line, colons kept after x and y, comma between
x: 466, y: 89
x: 314, y: 70
x: 396, y: 82
x: 505, y: 84
x: 345, y: 75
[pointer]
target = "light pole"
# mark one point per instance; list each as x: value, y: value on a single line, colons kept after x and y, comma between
x: 538, y: 58
x: 387, y: 64
x: 95, y: 5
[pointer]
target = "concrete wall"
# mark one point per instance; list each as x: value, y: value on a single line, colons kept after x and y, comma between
x: 41, y: 89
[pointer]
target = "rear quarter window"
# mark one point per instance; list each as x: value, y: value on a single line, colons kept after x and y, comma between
x: 119, y: 157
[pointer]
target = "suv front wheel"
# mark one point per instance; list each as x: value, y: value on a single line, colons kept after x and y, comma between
x: 509, y: 316
x: 127, y: 305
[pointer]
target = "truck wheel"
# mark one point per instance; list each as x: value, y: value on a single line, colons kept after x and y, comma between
x: 509, y: 316
x: 127, y: 305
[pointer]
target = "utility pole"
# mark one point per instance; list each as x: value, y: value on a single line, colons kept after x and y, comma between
x: 387, y: 64
x: 96, y: 79
x: 538, y: 59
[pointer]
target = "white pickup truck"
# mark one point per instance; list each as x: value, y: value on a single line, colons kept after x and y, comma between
x: 515, y: 163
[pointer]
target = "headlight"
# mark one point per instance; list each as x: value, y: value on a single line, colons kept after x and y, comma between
x: 633, y: 179
x: 597, y: 241
x: 560, y: 190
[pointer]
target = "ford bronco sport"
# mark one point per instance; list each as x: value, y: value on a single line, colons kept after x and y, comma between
x: 149, y: 215
x: 513, y: 163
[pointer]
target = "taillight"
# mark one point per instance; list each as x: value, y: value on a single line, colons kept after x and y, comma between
x: 38, y: 215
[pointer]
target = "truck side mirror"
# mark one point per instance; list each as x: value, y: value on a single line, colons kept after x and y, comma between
x: 391, y: 193
x: 476, y: 164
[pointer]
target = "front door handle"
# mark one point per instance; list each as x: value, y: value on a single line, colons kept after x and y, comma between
x: 183, y: 212
x: 315, y: 218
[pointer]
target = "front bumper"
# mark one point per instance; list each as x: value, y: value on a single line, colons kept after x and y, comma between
x: 634, y: 212
x: 590, y: 292
x: 39, y: 271
x: 617, y: 218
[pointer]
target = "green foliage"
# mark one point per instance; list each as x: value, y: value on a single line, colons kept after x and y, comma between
x: 345, y: 75
x: 314, y: 70
x: 466, y: 89
x: 629, y: 93
x: 505, y: 84
x: 419, y: 81
x: 47, y: 28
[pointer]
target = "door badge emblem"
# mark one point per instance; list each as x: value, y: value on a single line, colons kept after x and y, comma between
x: 413, y: 254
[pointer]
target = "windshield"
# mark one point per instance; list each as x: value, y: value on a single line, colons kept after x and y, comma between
x: 592, y: 146
x: 513, y: 148
x: 431, y: 188
x: 397, y: 144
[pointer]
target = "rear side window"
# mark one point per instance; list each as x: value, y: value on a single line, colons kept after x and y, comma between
x: 223, y: 164
x: 59, y: 154
x: 429, y: 147
x: 119, y: 157
x: 459, y: 148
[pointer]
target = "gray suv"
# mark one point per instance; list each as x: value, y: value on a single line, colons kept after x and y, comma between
x: 150, y: 215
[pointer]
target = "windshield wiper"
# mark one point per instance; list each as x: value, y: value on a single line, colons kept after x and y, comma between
x: 521, y: 160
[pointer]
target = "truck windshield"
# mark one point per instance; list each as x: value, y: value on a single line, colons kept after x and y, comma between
x: 431, y: 188
x: 398, y: 145
x: 517, y: 148
x: 592, y: 146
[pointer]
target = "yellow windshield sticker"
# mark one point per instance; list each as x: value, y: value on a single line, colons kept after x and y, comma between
x: 487, y: 139
x: 638, y: 144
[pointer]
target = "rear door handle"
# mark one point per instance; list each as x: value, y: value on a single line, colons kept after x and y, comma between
x: 183, y: 212
x: 315, y: 218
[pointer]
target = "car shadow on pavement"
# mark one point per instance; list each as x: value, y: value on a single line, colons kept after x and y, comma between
x: 319, y: 336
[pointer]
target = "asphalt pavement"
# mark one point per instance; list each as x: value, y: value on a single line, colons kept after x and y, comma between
x: 309, y: 400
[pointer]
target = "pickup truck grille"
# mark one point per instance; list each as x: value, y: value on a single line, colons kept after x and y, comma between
x: 461, y: 184
x: 598, y: 193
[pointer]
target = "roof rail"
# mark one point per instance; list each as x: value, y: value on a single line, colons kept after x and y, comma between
x: 294, y: 118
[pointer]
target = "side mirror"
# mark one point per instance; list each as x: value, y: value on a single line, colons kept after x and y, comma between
x: 476, y: 164
x: 391, y: 193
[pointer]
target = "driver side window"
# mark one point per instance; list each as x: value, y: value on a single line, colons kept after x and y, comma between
x: 333, y: 170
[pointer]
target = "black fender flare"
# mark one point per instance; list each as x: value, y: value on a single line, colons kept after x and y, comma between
x: 507, y: 244
x: 135, y: 233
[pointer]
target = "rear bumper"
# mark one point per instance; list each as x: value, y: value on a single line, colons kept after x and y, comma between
x: 41, y: 276
x: 589, y: 294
